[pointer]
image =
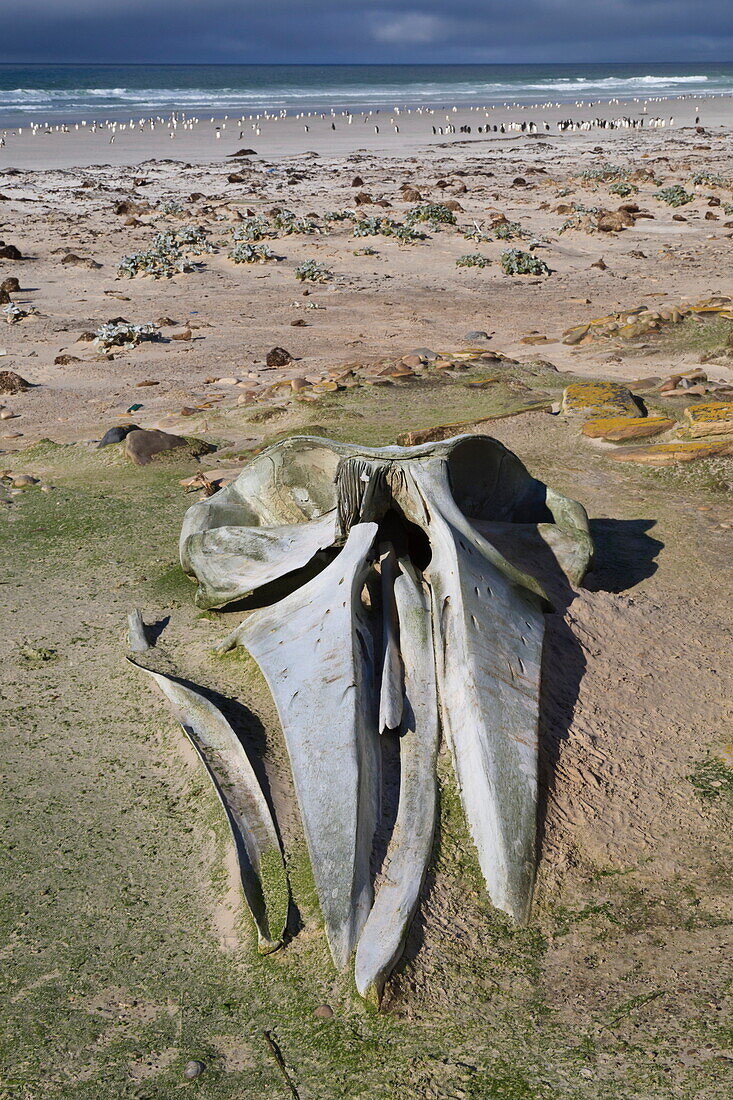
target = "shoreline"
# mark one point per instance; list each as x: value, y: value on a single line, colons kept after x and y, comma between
x: 191, y: 138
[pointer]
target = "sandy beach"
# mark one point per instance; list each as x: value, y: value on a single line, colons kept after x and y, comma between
x: 385, y: 302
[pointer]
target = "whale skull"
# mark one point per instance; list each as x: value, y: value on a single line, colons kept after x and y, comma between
x: 400, y: 616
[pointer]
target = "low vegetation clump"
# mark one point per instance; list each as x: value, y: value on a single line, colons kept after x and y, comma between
x: 168, y: 254
x: 476, y: 234
x: 516, y: 262
x: 287, y: 223
x: 472, y: 259
x: 674, y: 195
x: 246, y: 253
x: 712, y: 779
x: 605, y: 173
x: 623, y: 189
x: 170, y: 206
x: 507, y: 231
x: 339, y: 215
x: 710, y: 179
x: 253, y: 229
x: 385, y: 227
x: 372, y: 227
x: 433, y: 212
x: 310, y: 271
x: 123, y: 334
x: 728, y: 208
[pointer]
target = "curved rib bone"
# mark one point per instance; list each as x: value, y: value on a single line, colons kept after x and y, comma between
x: 382, y: 940
x: 315, y: 650
x: 258, y: 847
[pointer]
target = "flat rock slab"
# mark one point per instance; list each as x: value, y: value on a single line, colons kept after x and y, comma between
x: 599, y: 399
x: 615, y: 428
x: 709, y: 418
x: 667, y: 454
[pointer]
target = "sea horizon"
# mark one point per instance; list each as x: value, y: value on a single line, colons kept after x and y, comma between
x: 72, y: 92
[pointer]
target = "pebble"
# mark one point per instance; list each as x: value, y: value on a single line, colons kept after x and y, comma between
x: 7, y: 414
x: 323, y: 1012
x: 479, y: 334
x: 193, y: 1069
x: 23, y: 481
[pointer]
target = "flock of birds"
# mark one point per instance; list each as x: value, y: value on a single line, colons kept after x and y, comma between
x: 181, y: 122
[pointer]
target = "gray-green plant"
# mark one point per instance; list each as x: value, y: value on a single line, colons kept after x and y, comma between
x: 434, y: 213
x: 124, y: 334
x: 516, y: 262
x: 507, y: 231
x: 245, y: 253
x: 623, y: 189
x: 674, y: 195
x: 473, y: 259
x: 310, y: 271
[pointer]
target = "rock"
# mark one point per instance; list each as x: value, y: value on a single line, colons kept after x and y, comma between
x: 477, y: 334
x: 614, y: 428
x: 65, y: 360
x: 117, y: 434
x: 410, y: 194
x: 709, y: 418
x: 24, y: 481
x: 452, y: 204
x: 165, y: 322
x: 601, y: 264
x: 299, y: 323
x: 10, y: 382
x: 184, y: 334
x: 599, y: 399
x: 357, y: 182
x: 535, y: 339
x: 7, y: 414
x: 9, y: 252
x: 667, y: 454
x: 363, y: 199
x: 614, y: 221
x: 11, y: 285
x: 323, y: 1012
x: 298, y: 384
x: 278, y: 357
x: 72, y: 260
x: 141, y: 446
x: 576, y: 335
x: 193, y: 1069
x: 411, y: 361
x: 4, y: 297
x: 424, y: 353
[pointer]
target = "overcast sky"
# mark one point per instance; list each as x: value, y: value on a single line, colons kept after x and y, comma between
x: 322, y: 31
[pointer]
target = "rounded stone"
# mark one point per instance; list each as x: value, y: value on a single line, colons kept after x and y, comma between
x: 193, y: 1069
x: 323, y: 1012
x: 479, y: 334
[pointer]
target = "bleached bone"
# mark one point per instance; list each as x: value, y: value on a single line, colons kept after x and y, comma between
x: 381, y: 942
x: 261, y: 866
x: 315, y: 650
x: 389, y: 636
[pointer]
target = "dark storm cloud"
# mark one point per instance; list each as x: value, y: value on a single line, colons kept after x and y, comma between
x: 322, y: 31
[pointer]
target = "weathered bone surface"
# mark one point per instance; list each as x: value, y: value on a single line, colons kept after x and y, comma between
x: 414, y: 623
x: 260, y: 859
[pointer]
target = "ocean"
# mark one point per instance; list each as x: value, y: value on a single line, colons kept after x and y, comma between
x: 74, y: 92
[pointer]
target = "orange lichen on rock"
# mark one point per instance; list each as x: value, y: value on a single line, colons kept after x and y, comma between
x: 599, y: 399
x: 709, y: 418
x: 614, y: 428
x: 667, y: 454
